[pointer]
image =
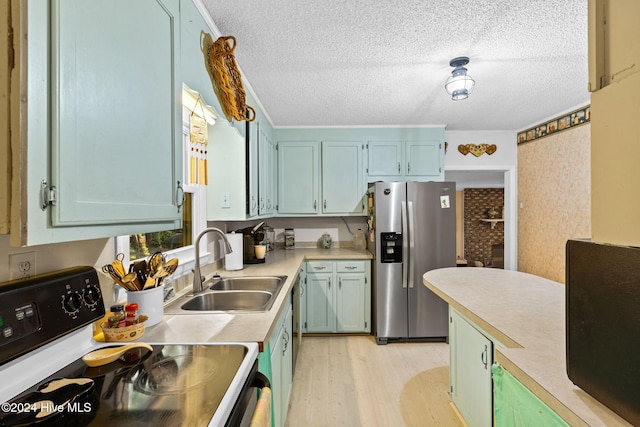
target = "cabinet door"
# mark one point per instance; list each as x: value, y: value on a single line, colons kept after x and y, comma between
x: 342, y: 177
x: 252, y: 169
x: 470, y: 369
x: 287, y: 362
x: 351, y: 302
x: 321, y: 316
x: 116, y: 146
x: 298, y: 165
x: 265, y: 183
x: 423, y: 158
x: 385, y: 158
x: 276, y: 377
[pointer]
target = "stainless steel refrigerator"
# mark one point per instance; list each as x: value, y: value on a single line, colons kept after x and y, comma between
x: 413, y: 226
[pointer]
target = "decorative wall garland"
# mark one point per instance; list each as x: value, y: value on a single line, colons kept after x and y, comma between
x: 477, y: 149
x: 560, y: 123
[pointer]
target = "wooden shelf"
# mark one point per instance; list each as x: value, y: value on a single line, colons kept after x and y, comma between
x: 493, y: 222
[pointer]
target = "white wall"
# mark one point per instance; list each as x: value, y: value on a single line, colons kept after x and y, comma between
x: 498, y: 170
x: 94, y: 253
x: 308, y: 230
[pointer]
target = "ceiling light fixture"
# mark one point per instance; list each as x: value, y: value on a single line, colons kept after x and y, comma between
x: 459, y: 85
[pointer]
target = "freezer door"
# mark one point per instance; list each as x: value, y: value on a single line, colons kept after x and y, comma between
x: 432, y: 244
x: 389, y: 295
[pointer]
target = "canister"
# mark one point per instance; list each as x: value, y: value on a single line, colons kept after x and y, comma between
x: 289, y: 238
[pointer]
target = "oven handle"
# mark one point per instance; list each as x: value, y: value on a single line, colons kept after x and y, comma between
x: 260, y: 381
x: 239, y: 413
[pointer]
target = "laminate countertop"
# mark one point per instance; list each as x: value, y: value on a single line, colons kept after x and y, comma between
x: 246, y: 327
x: 526, y: 315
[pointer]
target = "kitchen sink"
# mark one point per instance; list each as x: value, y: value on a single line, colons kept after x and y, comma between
x: 231, y: 294
x: 252, y: 283
x: 230, y: 301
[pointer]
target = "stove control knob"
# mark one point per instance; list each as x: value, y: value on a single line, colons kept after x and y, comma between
x: 71, y: 302
x: 91, y: 295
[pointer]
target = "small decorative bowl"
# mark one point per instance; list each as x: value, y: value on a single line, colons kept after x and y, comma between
x: 127, y: 333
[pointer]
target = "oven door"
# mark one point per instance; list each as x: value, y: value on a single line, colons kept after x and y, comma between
x: 244, y: 410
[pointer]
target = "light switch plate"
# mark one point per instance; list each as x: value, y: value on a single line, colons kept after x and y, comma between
x: 225, y: 200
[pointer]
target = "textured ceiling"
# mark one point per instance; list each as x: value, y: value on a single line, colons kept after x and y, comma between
x: 384, y: 63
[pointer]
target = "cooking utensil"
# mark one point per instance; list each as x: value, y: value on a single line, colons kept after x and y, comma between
x: 132, y: 282
x: 108, y: 355
x: 156, y: 261
x: 118, y: 265
x: 164, y: 270
x: 115, y: 276
x: 171, y: 266
x: 141, y: 270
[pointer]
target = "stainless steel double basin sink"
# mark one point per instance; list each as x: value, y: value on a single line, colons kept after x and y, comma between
x: 231, y: 294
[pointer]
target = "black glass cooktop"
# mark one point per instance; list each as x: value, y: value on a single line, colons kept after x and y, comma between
x: 175, y: 385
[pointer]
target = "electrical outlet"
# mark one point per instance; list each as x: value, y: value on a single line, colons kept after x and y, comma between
x: 22, y: 265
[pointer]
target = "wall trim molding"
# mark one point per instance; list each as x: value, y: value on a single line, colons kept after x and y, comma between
x: 561, y: 123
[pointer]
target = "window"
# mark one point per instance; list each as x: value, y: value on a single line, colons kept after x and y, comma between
x: 144, y: 245
x: 177, y: 242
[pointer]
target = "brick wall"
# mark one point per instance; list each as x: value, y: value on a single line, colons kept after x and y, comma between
x: 479, y: 236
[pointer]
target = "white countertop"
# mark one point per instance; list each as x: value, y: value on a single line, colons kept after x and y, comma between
x: 245, y: 327
x: 526, y: 314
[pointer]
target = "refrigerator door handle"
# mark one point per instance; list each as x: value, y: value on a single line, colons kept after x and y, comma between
x: 411, y: 243
x: 405, y: 250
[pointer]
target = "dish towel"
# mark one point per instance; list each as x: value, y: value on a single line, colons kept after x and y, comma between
x: 262, y: 415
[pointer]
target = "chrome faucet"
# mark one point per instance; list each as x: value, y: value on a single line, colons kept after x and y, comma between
x: 197, y: 276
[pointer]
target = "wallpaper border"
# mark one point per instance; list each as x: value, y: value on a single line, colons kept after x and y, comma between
x: 561, y: 123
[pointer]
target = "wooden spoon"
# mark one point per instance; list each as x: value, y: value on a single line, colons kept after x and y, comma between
x: 108, y: 355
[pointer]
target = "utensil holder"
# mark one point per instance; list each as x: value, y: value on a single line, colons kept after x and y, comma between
x: 150, y: 303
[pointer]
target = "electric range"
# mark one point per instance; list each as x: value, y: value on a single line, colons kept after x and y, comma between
x: 46, y: 328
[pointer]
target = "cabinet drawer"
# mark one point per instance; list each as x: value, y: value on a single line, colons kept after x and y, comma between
x: 320, y: 267
x: 351, y: 266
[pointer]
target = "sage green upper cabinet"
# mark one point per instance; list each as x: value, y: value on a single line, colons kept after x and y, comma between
x: 267, y: 166
x: 253, y: 182
x: 102, y: 125
x: 343, y: 186
x: 114, y: 112
x: 385, y: 159
x: 406, y: 160
x: 423, y: 158
x: 325, y: 178
x: 226, y: 159
x: 298, y: 175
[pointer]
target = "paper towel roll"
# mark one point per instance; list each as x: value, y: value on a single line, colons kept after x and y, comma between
x: 233, y: 261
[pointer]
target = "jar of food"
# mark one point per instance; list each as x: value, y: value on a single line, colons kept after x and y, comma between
x: 131, y: 314
x: 289, y: 238
x: 117, y: 317
x: 325, y: 241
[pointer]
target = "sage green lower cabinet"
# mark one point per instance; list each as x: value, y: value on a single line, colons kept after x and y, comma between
x: 338, y: 296
x: 471, y: 357
x: 281, y: 346
x: 515, y: 405
x: 321, y: 313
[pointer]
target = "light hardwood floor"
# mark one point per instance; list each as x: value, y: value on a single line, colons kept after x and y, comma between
x: 352, y: 381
